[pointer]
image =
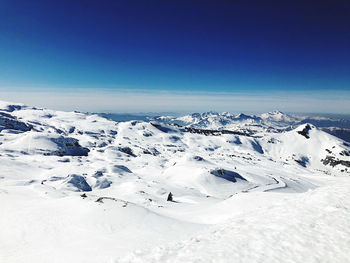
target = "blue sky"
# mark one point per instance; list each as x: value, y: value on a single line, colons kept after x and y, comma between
x: 288, y: 50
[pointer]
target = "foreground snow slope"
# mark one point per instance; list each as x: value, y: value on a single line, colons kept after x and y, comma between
x: 309, y: 227
x: 76, y: 187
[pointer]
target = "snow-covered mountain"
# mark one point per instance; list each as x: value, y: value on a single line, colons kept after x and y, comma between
x: 83, y: 188
x: 225, y: 120
x: 274, y: 121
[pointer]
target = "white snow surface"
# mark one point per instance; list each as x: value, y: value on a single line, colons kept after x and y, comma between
x: 76, y: 187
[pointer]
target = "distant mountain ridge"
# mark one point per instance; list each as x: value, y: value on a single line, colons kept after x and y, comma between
x: 275, y: 121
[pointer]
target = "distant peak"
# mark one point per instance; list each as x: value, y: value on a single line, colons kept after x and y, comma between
x: 276, y: 112
x: 243, y: 116
x: 204, y: 114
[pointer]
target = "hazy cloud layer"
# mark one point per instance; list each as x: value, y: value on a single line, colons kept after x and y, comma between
x: 165, y: 101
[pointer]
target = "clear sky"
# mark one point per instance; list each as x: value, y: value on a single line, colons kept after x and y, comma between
x: 176, y: 55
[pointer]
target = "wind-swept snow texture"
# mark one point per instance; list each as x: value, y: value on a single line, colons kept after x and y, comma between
x: 309, y: 227
x: 76, y: 187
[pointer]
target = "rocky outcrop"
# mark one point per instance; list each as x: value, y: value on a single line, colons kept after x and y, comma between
x: 228, y: 175
x: 7, y: 121
x: 305, y: 132
x: 332, y: 161
x: 78, y: 182
x: 69, y: 147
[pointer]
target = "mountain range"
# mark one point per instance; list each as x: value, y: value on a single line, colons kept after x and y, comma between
x: 78, y: 187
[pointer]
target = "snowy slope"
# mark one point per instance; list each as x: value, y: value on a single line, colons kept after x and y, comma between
x: 76, y: 187
x: 310, y: 227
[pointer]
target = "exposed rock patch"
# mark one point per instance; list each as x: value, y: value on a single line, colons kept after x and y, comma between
x: 303, y: 161
x: 78, y: 182
x: 121, y: 169
x: 330, y: 160
x: 305, y: 132
x: 103, y: 183
x: 69, y: 146
x: 228, y: 175
x: 127, y: 150
x: 7, y: 121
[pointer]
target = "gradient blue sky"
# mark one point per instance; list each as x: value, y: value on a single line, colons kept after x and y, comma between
x: 184, y: 49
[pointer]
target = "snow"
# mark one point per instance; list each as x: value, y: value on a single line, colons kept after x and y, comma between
x: 308, y: 227
x: 76, y: 187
